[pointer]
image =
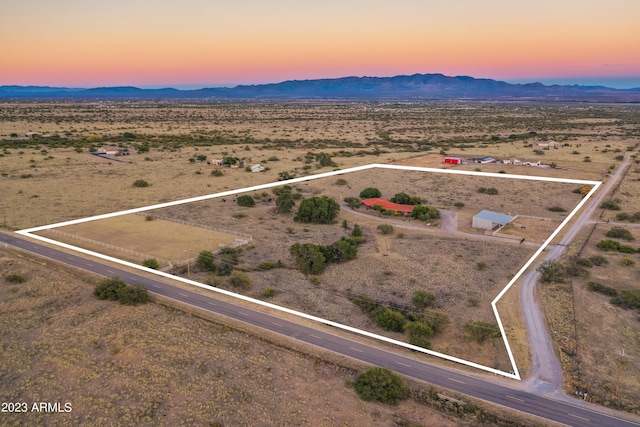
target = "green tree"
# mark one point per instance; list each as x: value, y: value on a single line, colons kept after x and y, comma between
x: 425, y: 213
x: 107, y: 289
x: 246, y: 201
x: 151, y: 263
x: 133, y: 295
x: 317, y: 210
x: 388, y: 319
x: 325, y: 160
x: 370, y: 193
x: 381, y: 385
x: 308, y: 257
x: 205, y: 262
x: 419, y: 334
x: 284, y: 202
x: 343, y: 250
x: 357, y: 231
x: 552, y: 271
x: 401, y: 198
x: 228, y: 259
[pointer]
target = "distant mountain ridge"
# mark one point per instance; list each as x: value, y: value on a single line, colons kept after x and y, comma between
x: 417, y: 86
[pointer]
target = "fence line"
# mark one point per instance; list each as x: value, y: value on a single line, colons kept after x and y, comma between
x: 248, y: 237
x: 135, y: 254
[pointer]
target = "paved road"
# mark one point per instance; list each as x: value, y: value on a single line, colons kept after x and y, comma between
x: 560, y: 411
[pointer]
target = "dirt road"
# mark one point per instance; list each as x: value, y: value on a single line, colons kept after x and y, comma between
x: 546, y: 375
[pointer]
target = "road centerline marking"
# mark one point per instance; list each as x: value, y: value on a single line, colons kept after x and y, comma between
x: 455, y: 381
x: 514, y: 398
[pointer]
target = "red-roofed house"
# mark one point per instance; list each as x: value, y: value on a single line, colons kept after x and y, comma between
x: 388, y: 205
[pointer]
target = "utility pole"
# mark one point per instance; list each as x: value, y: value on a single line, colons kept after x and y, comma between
x: 188, y: 252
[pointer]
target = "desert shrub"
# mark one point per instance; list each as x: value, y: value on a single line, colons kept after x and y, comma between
x: 598, y: 260
x: 423, y: 299
x: 267, y: 265
x: 611, y: 205
x: 628, y: 262
x: 584, y: 262
x: 246, y: 201
x: 341, y: 251
x: 240, y: 280
x: 357, y: 231
x: 490, y: 190
x: 557, y: 209
x: 133, y: 295
x: 140, y: 183
x: 206, y: 262
x: 385, y: 229
x: 308, y: 257
x: 481, y: 331
x: 107, y: 289
x: 388, y: 319
x: 602, y: 289
x: 317, y: 210
x: 622, y: 216
x: 459, y: 205
x: 481, y: 265
x: 268, y: 292
x: 552, y: 271
x: 227, y: 259
x: 151, y: 263
x: 365, y: 302
x: 626, y: 249
x: 284, y: 176
x: 284, y: 200
x: 425, y: 213
x: 341, y: 181
x: 370, y: 193
x: 473, y: 302
x: 435, y: 319
x: 218, y: 172
x: 324, y: 160
x: 627, y: 299
x: 352, y: 202
x: 15, y: 278
x: 620, y: 233
x: 608, y: 245
x: 419, y: 334
x: 381, y: 385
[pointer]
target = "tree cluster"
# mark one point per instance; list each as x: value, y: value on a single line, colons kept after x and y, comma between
x: 115, y: 289
x: 317, y: 210
x: 313, y: 259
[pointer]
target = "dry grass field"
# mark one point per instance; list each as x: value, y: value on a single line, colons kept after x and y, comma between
x: 54, y: 178
x: 153, y: 365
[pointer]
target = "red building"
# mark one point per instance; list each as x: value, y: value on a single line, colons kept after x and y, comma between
x: 454, y: 160
x: 388, y: 205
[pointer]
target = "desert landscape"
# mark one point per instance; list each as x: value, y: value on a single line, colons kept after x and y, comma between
x: 56, y: 176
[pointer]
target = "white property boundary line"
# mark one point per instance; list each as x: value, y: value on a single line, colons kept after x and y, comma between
x: 515, y: 375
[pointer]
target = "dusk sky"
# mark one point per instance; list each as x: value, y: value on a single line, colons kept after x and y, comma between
x: 205, y: 43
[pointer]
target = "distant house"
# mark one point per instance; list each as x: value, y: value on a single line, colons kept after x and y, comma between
x: 32, y: 134
x: 109, y: 151
x: 483, y: 160
x: 454, y: 160
x: 488, y: 220
x: 388, y: 205
x: 257, y: 168
x: 216, y: 162
x: 546, y: 144
x: 530, y: 162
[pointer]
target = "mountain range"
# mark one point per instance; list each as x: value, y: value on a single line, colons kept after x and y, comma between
x: 417, y: 86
